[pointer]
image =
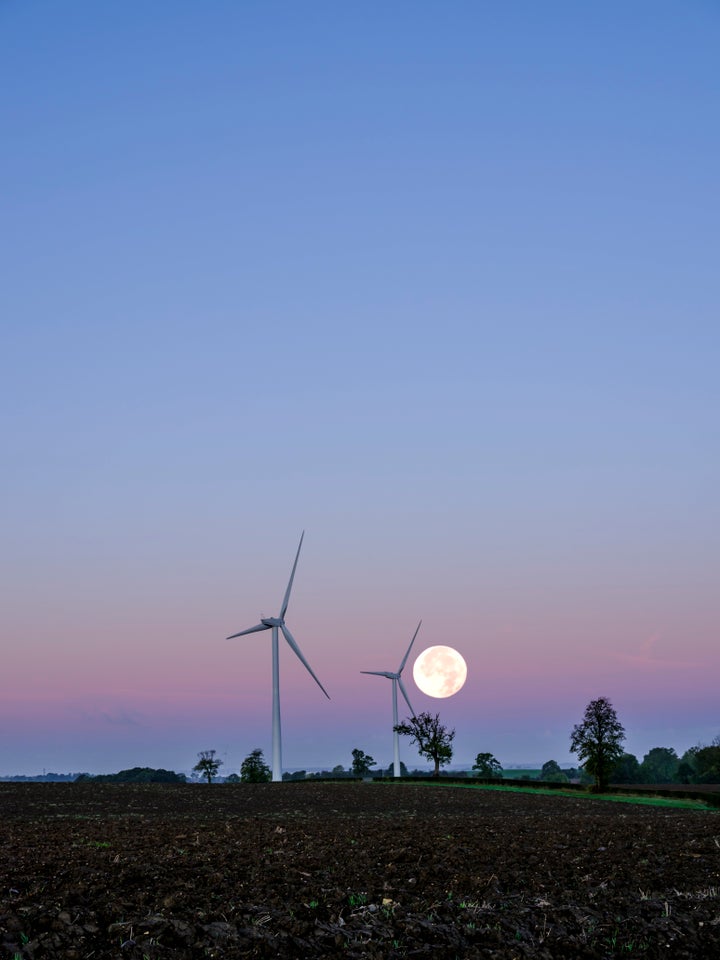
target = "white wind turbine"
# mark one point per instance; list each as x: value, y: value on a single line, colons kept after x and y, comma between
x: 396, y: 682
x: 276, y: 624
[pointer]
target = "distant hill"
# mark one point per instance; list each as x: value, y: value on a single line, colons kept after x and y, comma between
x: 43, y: 778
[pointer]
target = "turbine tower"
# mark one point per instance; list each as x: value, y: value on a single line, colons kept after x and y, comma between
x: 396, y: 682
x: 277, y: 624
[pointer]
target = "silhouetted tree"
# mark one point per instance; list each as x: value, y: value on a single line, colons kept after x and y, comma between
x: 688, y: 769
x: 707, y: 760
x: 626, y: 770
x: 487, y: 766
x: 597, y: 741
x: 404, y: 772
x: 434, y: 741
x: 253, y: 769
x: 659, y: 765
x: 361, y: 762
x: 685, y: 773
x: 552, y: 773
x: 135, y: 775
x: 208, y: 765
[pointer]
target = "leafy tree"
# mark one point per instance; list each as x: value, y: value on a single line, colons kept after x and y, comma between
x: 297, y: 775
x: 434, y: 741
x: 361, y: 763
x: 551, y: 773
x: 404, y: 772
x: 685, y: 773
x: 487, y: 766
x: 338, y: 771
x: 688, y: 770
x: 208, y: 765
x: 707, y: 760
x: 660, y: 765
x: 597, y: 741
x: 253, y: 769
x: 626, y: 770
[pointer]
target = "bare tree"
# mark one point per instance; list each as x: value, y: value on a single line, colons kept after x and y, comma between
x: 207, y: 765
x: 434, y: 741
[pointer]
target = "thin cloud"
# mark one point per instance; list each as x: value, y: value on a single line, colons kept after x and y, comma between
x: 115, y: 718
x: 122, y: 719
x: 645, y: 657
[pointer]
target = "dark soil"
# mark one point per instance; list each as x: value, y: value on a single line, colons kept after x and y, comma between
x: 352, y: 870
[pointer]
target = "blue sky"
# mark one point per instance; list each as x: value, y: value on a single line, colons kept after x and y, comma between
x: 437, y: 283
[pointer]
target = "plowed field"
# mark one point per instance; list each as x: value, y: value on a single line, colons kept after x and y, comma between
x: 350, y: 871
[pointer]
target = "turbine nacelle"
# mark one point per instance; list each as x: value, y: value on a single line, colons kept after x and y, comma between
x: 396, y: 677
x: 397, y: 682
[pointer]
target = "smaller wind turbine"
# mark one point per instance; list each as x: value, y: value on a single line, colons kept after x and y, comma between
x: 276, y: 624
x: 396, y: 682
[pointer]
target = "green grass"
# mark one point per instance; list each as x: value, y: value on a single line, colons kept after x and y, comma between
x: 680, y: 804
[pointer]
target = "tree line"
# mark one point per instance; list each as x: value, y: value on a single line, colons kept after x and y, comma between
x: 597, y: 742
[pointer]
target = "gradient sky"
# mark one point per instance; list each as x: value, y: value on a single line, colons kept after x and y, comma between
x: 435, y: 282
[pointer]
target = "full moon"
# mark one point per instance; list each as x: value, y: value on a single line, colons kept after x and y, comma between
x: 440, y: 671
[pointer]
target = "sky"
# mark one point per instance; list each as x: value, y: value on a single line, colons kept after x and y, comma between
x: 435, y: 283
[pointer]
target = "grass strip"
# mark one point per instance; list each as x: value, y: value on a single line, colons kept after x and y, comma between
x: 697, y: 805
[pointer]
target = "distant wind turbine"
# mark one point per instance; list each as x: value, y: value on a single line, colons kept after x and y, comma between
x: 275, y: 624
x: 396, y: 682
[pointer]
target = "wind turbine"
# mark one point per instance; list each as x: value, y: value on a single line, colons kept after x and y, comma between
x: 396, y: 682
x: 277, y: 624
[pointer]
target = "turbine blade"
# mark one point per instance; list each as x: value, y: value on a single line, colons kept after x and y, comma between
x: 404, y: 693
x: 286, y: 599
x: 298, y: 653
x: 402, y: 665
x: 255, y: 629
x: 380, y: 673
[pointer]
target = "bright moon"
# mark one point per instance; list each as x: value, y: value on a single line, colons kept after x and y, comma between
x: 440, y: 671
